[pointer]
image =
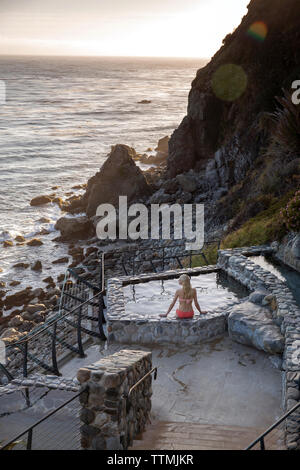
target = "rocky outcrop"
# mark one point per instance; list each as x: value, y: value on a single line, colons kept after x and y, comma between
x: 40, y: 200
x: 252, y: 325
x: 163, y: 145
x: 220, y: 134
x: 289, y: 250
x: 119, y: 176
x: 75, y: 228
x: 161, y: 156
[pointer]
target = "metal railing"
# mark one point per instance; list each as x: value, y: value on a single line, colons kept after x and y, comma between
x: 80, y: 308
x: 130, y: 262
x: 154, y: 370
x: 126, y: 396
x: 261, y: 439
x: 59, y: 429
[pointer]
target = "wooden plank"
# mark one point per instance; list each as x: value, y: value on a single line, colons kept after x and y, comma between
x: 193, y: 436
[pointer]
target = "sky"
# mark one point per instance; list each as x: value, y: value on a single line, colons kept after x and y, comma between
x: 155, y: 28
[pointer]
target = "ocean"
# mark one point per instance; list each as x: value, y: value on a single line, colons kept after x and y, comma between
x: 60, y: 119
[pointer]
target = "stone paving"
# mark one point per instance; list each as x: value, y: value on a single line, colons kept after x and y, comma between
x: 285, y: 314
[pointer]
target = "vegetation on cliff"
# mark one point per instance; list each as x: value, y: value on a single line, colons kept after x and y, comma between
x: 242, y: 130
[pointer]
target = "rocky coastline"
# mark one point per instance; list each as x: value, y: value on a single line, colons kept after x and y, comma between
x: 23, y: 309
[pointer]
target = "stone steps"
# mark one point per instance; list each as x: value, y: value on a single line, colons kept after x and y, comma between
x: 193, y: 436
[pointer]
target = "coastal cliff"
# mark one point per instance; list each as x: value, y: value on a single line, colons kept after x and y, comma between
x: 222, y: 133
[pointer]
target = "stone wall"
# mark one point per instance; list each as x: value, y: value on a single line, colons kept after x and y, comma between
x: 110, y: 421
x: 285, y: 313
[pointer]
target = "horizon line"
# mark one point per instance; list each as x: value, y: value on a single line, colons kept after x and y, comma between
x: 88, y: 56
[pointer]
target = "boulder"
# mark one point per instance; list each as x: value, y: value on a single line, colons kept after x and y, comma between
x: 119, y: 176
x: 163, y: 145
x: 35, y: 242
x: 58, y: 201
x: 38, y: 292
x: 49, y: 280
x: 258, y: 296
x: 75, y: 228
x: 38, y: 317
x: 20, y: 239
x: 11, y: 334
x: 7, y: 243
x: 37, y: 266
x: 35, y: 308
x: 252, y: 325
x: 65, y: 259
x: 19, y: 298
x: 60, y: 278
x: 21, y: 265
x: 40, y: 200
x: 16, y: 321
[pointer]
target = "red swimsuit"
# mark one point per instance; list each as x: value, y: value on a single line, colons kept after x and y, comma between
x: 181, y: 314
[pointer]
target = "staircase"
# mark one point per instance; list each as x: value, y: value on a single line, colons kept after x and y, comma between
x: 193, y: 436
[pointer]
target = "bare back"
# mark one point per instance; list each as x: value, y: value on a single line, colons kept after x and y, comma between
x: 185, y: 304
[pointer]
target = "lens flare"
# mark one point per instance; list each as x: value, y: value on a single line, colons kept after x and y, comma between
x: 229, y: 82
x: 258, y: 31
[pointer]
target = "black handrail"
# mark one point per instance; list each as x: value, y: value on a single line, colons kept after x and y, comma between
x: 261, y: 439
x: 30, y: 429
x: 51, y: 322
x: 22, y: 344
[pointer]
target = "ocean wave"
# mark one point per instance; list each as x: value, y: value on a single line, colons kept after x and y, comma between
x: 5, y: 235
x: 101, y: 97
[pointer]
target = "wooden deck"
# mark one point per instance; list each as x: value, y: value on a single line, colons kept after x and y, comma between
x: 191, y: 436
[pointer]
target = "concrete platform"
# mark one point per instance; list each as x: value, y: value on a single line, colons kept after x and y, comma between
x: 220, y: 383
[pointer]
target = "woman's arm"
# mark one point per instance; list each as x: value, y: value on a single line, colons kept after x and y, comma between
x: 196, y: 302
x: 171, y: 305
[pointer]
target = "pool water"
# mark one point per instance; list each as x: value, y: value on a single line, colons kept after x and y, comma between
x: 214, y: 291
x: 286, y: 274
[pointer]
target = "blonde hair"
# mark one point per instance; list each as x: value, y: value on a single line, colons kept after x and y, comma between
x: 185, y: 281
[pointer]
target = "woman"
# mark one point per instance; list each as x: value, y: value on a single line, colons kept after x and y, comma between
x: 186, y: 295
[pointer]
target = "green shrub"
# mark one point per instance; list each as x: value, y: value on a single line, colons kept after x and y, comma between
x: 210, y: 253
x: 285, y: 137
x: 264, y: 228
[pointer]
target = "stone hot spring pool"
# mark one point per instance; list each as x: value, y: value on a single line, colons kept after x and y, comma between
x: 214, y: 290
x: 134, y: 305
